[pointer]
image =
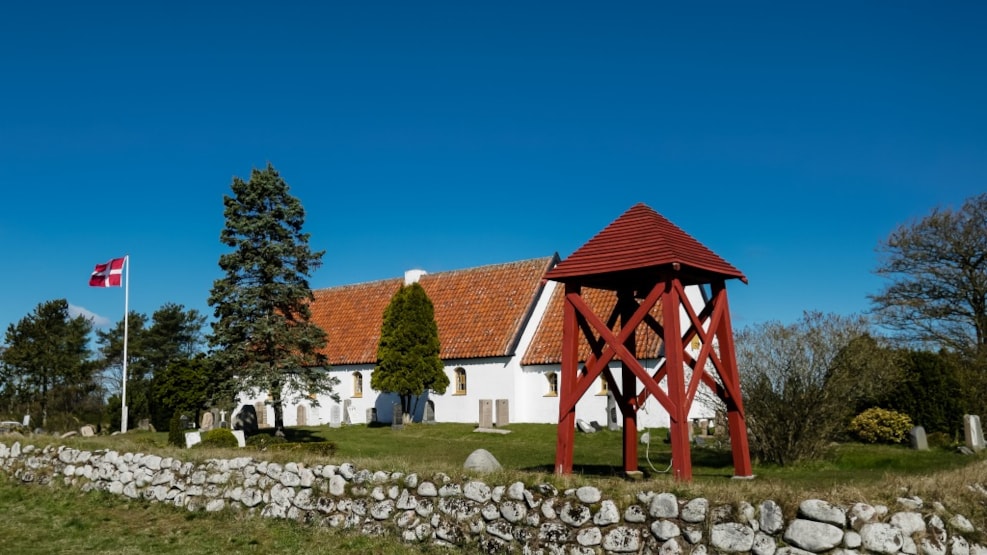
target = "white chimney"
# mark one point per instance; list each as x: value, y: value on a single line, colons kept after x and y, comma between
x: 412, y: 276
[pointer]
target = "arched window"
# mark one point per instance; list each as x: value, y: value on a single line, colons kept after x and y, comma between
x: 604, y: 388
x: 460, y: 381
x: 357, y: 384
x: 553, y: 384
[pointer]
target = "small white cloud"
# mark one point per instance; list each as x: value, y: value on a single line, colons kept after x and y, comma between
x: 96, y: 319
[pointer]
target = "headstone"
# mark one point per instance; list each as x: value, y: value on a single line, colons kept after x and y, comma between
x: 246, y: 420
x: 613, y: 424
x: 261, y: 409
x: 720, y: 425
x: 301, y: 416
x: 429, y: 413
x: 919, y: 441
x: 335, y: 418
x: 241, y: 438
x: 585, y: 426
x: 481, y: 461
x: 87, y: 431
x: 503, y: 413
x: 191, y: 438
x: 486, y: 413
x: 371, y: 415
x: 69, y: 434
x: 27, y: 421
x: 144, y: 425
x: 347, y: 411
x: 397, y: 422
x: 222, y: 420
x: 973, y: 432
x: 207, y: 420
x: 704, y: 427
x: 183, y: 421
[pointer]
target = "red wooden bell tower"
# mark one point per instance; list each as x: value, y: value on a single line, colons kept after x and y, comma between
x: 647, y: 261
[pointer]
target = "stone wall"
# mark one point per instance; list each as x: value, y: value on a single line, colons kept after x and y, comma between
x: 497, y: 518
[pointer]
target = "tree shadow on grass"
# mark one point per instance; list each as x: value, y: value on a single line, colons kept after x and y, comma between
x: 293, y: 435
x: 705, y: 462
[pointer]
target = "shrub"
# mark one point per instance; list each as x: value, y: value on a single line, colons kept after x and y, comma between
x: 940, y: 440
x: 219, y: 438
x: 263, y: 441
x: 877, y: 425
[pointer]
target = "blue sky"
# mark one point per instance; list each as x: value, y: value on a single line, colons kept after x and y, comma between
x: 790, y: 138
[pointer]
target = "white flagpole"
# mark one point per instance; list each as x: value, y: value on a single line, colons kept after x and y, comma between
x: 126, y: 329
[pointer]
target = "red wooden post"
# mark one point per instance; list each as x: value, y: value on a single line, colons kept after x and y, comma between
x: 570, y: 362
x: 735, y: 409
x: 681, y: 454
x: 627, y: 307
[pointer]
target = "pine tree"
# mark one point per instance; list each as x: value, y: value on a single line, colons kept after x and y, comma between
x: 408, y: 353
x: 262, y: 334
x: 48, y: 351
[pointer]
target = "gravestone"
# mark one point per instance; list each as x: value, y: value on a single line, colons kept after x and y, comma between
x: 429, y: 413
x: 486, y: 413
x: 241, y: 439
x: 919, y: 441
x: 207, y: 420
x: 223, y: 423
x: 261, y: 409
x: 371, y: 415
x: 192, y: 438
x: 585, y: 426
x: 27, y: 421
x: 503, y: 413
x: 972, y: 431
x: 87, y: 431
x: 144, y: 425
x: 301, y: 416
x: 183, y: 421
x: 397, y: 422
x: 613, y: 424
x: 347, y: 417
x: 704, y: 427
x: 246, y: 420
x: 335, y: 418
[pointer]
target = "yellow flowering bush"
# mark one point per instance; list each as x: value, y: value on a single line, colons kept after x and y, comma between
x: 878, y: 425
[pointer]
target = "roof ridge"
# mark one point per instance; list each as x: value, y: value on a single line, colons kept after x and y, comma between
x: 359, y: 284
x: 544, y: 259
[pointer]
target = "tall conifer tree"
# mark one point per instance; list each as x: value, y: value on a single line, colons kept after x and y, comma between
x: 408, y: 353
x: 262, y: 335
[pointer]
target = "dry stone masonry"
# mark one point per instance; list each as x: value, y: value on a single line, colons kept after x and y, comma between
x: 488, y: 518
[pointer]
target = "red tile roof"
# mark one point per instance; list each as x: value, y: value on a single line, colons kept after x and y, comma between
x: 479, y: 311
x: 546, y: 346
x: 641, y: 240
x: 351, y: 316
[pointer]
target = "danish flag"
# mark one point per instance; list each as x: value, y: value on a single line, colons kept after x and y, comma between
x: 108, y: 274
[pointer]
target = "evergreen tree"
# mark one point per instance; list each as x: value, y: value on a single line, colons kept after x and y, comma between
x: 174, y: 336
x: 408, y: 353
x: 110, y: 344
x: 48, y: 350
x: 262, y: 334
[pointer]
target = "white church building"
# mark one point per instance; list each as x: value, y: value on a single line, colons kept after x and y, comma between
x: 500, y: 331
